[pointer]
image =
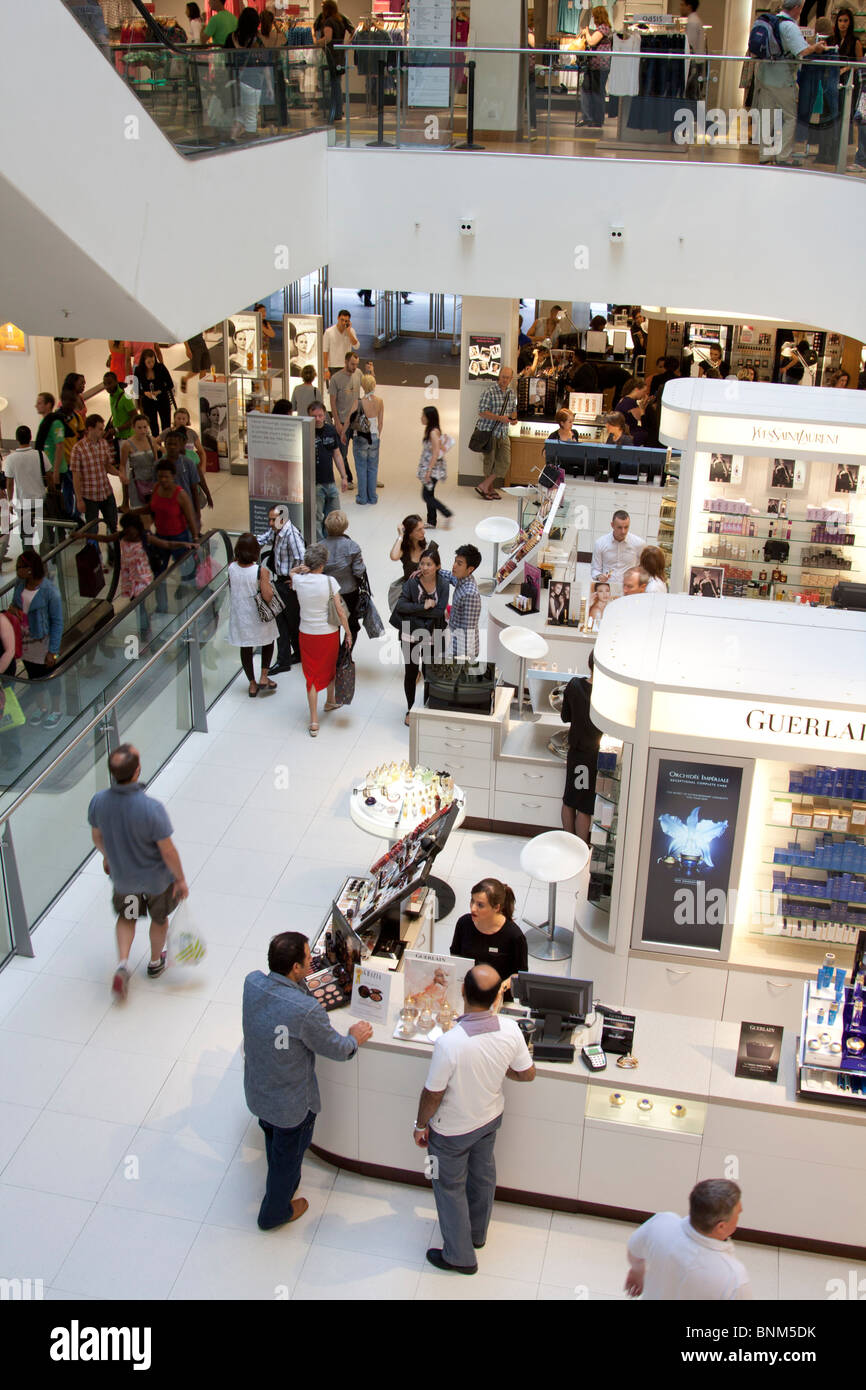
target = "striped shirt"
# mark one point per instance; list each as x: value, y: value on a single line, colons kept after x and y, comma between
x: 289, y: 547
x: 90, y: 464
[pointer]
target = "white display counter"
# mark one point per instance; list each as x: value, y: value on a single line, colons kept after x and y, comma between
x: 757, y: 697
x: 564, y: 1145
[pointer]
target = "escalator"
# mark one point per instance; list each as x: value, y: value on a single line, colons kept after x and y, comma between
x: 107, y: 641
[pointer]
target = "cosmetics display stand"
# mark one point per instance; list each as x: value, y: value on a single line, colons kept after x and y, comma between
x: 740, y: 809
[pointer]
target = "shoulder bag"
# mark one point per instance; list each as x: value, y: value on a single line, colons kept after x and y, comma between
x: 479, y: 440
x: 268, y: 612
x: 367, y: 612
x: 335, y: 616
x: 344, y: 676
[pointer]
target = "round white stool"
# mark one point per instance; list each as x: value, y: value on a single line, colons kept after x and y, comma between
x: 552, y: 857
x: 519, y: 491
x: 496, y: 529
x: 526, y: 644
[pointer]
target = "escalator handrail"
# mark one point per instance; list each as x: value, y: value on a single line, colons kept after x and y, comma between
x: 62, y: 668
x: 80, y: 535
x: 98, y: 720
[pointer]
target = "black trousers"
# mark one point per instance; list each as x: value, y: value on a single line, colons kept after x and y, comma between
x: 288, y: 624
x: 351, y: 600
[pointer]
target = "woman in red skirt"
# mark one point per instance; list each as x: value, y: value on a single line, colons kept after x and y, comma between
x: 319, y: 638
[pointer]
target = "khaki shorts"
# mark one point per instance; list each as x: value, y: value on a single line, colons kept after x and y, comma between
x: 497, y: 458
x: 157, y: 906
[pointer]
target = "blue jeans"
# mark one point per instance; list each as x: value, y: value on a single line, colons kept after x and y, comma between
x: 327, y: 501
x: 464, y: 1189
x: 366, y: 468
x: 285, y: 1149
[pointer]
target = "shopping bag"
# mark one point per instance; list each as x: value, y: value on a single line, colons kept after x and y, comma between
x: 344, y: 679
x: 186, y: 945
x: 204, y: 573
x: 373, y: 625
x: 91, y: 580
x: 11, y: 714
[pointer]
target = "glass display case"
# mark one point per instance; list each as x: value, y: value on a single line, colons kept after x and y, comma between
x: 668, y: 510
x: 246, y: 393
x: 646, y: 1110
x: 831, y: 1059
x: 604, y: 830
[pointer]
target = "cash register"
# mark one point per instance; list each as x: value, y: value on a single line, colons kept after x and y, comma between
x: 556, y: 1007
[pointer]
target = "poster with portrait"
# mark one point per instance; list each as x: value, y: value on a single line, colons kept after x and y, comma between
x: 848, y: 477
x: 278, y: 448
x: 788, y: 473
x: 706, y: 581
x: 691, y: 823
x: 558, y: 602
x: 243, y: 344
x: 485, y: 356
x: 213, y: 410
x: 600, y: 595
x: 302, y: 344
x: 726, y: 468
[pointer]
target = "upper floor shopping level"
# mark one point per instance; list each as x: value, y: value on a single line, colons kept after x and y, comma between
x: 154, y: 187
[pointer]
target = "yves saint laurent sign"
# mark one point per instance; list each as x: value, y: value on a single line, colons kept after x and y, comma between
x: 739, y: 434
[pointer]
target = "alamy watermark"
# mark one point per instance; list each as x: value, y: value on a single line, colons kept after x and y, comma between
x: 745, y: 124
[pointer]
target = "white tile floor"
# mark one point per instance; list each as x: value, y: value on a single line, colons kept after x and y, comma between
x: 129, y: 1166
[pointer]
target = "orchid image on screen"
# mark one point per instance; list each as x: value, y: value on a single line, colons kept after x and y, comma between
x: 690, y: 840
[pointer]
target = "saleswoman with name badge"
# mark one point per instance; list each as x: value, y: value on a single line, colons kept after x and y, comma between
x: 488, y: 935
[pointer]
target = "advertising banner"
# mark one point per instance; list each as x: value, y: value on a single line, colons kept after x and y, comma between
x: 280, y: 455
x: 693, y: 826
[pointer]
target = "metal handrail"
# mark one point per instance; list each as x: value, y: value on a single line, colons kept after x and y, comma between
x: 572, y: 53
x: 122, y: 616
x: 109, y: 704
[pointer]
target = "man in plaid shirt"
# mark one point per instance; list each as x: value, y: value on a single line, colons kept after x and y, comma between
x: 288, y: 551
x: 91, y: 461
x: 496, y: 410
x: 466, y: 603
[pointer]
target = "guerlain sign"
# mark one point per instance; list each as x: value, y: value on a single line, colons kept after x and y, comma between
x: 806, y: 726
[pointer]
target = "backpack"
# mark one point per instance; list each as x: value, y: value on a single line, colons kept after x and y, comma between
x: 765, y: 40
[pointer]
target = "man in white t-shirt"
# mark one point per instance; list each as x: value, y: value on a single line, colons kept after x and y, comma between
x: 339, y: 339
x: 23, y: 470
x: 460, y: 1111
x: 616, y: 552
x: 690, y: 1258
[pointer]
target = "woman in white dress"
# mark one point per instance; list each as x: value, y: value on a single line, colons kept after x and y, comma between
x: 246, y: 629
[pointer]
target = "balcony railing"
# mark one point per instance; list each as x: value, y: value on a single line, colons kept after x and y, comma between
x: 654, y: 104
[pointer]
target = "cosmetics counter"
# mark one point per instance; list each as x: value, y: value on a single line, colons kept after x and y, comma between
x: 738, y: 842
x: 528, y: 438
x: 624, y: 1142
x: 770, y: 497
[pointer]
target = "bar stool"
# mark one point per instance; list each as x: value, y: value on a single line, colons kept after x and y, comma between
x: 521, y: 491
x: 552, y: 857
x: 496, y: 529
x: 525, y: 643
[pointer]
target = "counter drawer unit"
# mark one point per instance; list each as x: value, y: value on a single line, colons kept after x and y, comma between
x: 453, y: 729
x: 466, y: 771
x: 764, y: 998
x: 525, y: 808
x: 620, y: 1166
x: 695, y: 990
x: 477, y: 803
x: 530, y: 779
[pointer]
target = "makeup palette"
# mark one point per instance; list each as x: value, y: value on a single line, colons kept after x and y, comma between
x: 325, y: 986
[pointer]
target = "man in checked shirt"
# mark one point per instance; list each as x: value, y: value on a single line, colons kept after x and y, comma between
x: 466, y: 603
x: 288, y: 550
x: 496, y: 410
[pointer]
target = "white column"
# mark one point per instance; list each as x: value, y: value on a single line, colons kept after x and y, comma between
x: 498, y: 93
x: 22, y: 376
x: 481, y: 315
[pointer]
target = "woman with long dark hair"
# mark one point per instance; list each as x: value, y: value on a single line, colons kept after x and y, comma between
x: 331, y: 28
x: 249, y: 72
x: 155, y: 391
x: 432, y: 468
x: 418, y: 613
x: 193, y: 14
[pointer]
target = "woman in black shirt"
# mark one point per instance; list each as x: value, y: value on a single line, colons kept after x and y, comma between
x: 155, y: 390
x: 578, y: 798
x: 488, y: 934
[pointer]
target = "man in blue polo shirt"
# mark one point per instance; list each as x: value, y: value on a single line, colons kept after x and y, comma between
x: 132, y: 832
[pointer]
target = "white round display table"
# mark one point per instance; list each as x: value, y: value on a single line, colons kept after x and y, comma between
x: 552, y: 857
x: 366, y: 818
x: 496, y: 529
x: 522, y: 642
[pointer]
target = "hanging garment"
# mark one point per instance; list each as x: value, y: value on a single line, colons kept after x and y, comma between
x: 662, y: 83
x: 568, y: 17
x: 624, y: 66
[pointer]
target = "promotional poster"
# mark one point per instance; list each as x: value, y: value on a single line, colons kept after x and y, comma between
x: 694, y: 821
x: 275, y: 445
x: 371, y: 994
x: 759, y: 1051
x: 485, y: 355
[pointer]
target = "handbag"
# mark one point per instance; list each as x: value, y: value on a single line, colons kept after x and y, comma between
x: 774, y: 549
x: 344, y: 676
x: 367, y: 612
x: 335, y: 616
x: 91, y: 580
x: 460, y: 685
x: 11, y: 714
x: 479, y: 440
x: 395, y: 589
x: 267, y: 612
x: 204, y: 574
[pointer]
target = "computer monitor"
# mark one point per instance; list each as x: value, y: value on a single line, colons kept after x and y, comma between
x: 620, y: 341
x: 596, y: 341
x: 552, y: 994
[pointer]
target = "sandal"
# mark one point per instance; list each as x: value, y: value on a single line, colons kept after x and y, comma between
x: 252, y: 692
x: 267, y: 685
x: 481, y: 493
x: 329, y: 707
x: 494, y: 496
x: 314, y: 729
